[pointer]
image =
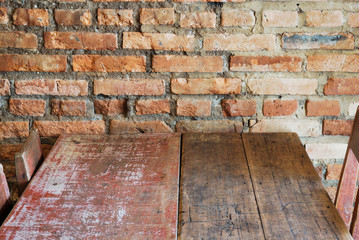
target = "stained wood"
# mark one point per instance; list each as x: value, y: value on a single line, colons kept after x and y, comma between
x: 292, y: 202
x: 102, y: 187
x: 216, y: 194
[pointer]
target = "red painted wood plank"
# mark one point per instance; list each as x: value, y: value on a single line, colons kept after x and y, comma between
x: 102, y: 187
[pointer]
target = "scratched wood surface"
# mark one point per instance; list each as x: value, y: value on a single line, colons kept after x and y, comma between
x: 102, y: 187
x: 292, y: 201
x: 216, y: 194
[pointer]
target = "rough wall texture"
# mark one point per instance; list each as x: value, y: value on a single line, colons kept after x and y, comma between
x: 108, y: 66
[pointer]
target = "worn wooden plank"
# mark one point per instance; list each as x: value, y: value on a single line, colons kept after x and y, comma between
x: 292, y: 202
x: 216, y: 195
x: 102, y: 187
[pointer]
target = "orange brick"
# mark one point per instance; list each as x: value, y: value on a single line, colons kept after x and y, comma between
x: 332, y: 191
x: 158, y: 41
x: 217, y: 126
x: 14, y: 129
x: 80, y: 40
x: 206, y: 86
x: 239, y: 42
x: 198, y: 20
x: 157, y: 16
x: 34, y: 63
x: 210, y: 1
x: 342, y: 86
x: 337, y: 127
x: 333, y: 63
x: 174, y: 63
x: 266, y: 63
x: 353, y: 19
x: 68, y: 108
x: 79, y: 17
x: 125, y: 127
x: 27, y: 107
x: 110, y: 107
x: 18, y: 40
x: 237, y: 18
x: 276, y: 18
x: 4, y: 18
x: 237, y: 107
x: 98, y: 63
x: 31, y: 17
x: 192, y: 107
x: 333, y: 171
x: 152, y: 106
x: 56, y: 128
x: 117, y: 17
x: 324, y: 18
x: 52, y: 87
x: 322, y: 108
x: 4, y: 87
x: 279, y: 107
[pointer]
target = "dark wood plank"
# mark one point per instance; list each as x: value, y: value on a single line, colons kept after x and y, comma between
x: 102, y: 187
x: 292, y: 202
x: 216, y: 195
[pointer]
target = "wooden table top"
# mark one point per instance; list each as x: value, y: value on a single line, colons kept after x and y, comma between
x: 226, y: 186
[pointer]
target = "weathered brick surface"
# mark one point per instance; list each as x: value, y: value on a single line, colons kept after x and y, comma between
x: 322, y: 108
x: 353, y: 107
x: 353, y: 20
x: 80, y: 17
x: 172, y: 63
x: 125, y: 127
x: 33, y: 63
x: 337, y: 127
x: 192, y: 107
x: 98, y: 63
x: 209, y: 126
x: 276, y: 18
x: 333, y: 63
x: 279, y: 107
x: 56, y: 128
x: 152, y: 106
x: 342, y: 86
x: 266, y: 64
x: 110, y: 107
x: 326, y: 150
x: 237, y: 18
x: 198, y: 20
x: 10, y: 129
x: 52, y: 87
x: 239, y: 42
x: 4, y: 87
x: 324, y: 18
x: 157, y: 16
x: 32, y: 17
x: 333, y: 171
x: 206, y: 86
x: 129, y: 87
x: 80, y: 40
x: 27, y: 107
x: 237, y: 107
x: 18, y: 40
x: 4, y: 18
x: 68, y: 108
x: 117, y: 17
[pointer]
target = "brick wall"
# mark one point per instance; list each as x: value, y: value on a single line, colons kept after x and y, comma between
x: 108, y: 66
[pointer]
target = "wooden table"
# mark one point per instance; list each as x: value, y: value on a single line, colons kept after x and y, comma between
x: 258, y: 186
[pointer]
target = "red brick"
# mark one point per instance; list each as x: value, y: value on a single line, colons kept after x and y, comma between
x: 125, y: 127
x: 4, y: 19
x: 333, y: 171
x: 129, y: 87
x: 279, y: 107
x: 332, y: 191
x: 266, y: 63
x: 174, y: 63
x: 324, y: 18
x: 342, y: 86
x: 239, y: 42
x: 18, y: 40
x: 152, y: 106
x: 193, y: 107
x: 110, y: 107
x: 353, y: 19
x: 116, y: 17
x: 68, y: 108
x: 237, y: 107
x: 98, y: 63
x: 217, y: 126
x: 13, y: 129
x: 322, y: 108
x: 31, y: 17
x: 209, y: 1
x: 158, y: 41
x: 80, y: 40
x: 337, y: 127
x: 206, y: 86
x: 4, y: 87
x: 56, y: 128
x: 80, y: 17
x: 34, y: 63
x: 237, y: 18
x: 198, y: 20
x: 333, y: 63
x: 27, y: 107
x: 318, y: 41
x: 276, y: 18
x: 157, y: 16
x: 52, y: 87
